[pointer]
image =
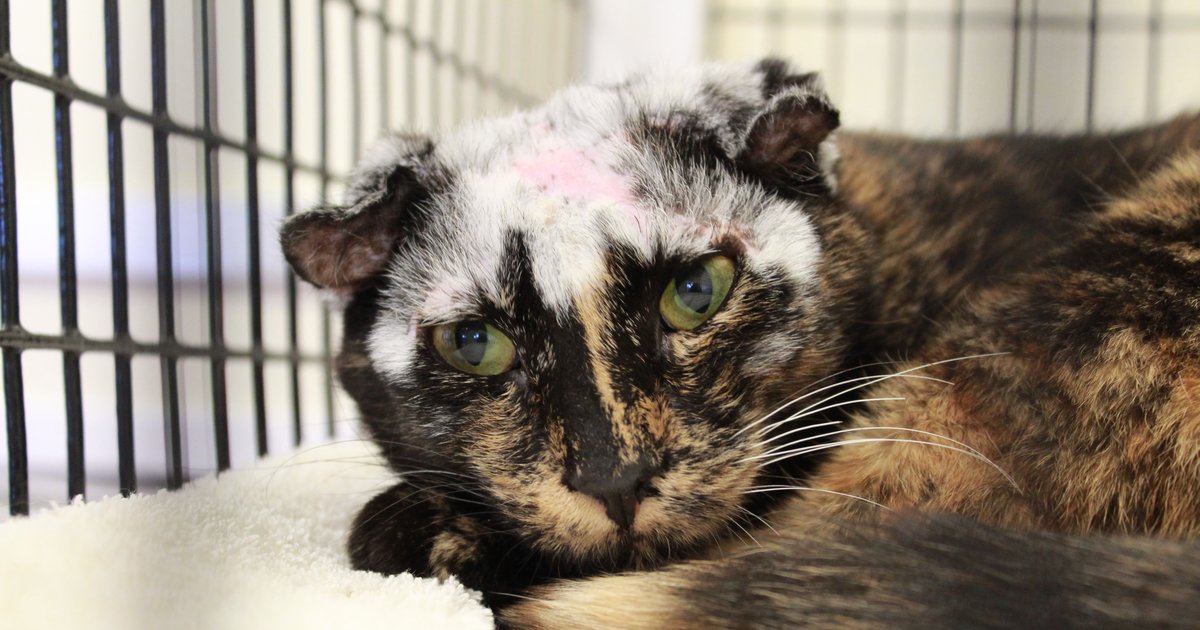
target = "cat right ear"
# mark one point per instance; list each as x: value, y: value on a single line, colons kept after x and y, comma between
x: 342, y: 248
x: 789, y: 142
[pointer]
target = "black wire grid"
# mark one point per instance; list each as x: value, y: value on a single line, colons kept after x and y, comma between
x: 1024, y: 18
x: 71, y: 343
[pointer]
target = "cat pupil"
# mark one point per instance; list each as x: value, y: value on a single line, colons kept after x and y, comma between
x: 695, y: 289
x: 471, y: 339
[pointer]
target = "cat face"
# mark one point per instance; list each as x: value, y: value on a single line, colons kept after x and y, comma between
x: 573, y: 314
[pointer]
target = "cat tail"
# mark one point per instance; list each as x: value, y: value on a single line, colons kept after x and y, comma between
x: 914, y: 571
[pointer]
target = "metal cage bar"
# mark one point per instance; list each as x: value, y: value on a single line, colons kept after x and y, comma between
x: 163, y: 246
x: 446, y: 48
x: 10, y: 309
x: 289, y: 147
x: 323, y: 118
x: 1014, y: 76
x: 254, y: 256
x: 126, y: 472
x: 67, y: 282
x: 212, y: 223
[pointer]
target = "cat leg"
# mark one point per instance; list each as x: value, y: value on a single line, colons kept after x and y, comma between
x: 410, y: 530
x: 396, y: 531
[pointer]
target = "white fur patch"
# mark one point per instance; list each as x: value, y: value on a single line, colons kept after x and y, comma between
x: 567, y: 177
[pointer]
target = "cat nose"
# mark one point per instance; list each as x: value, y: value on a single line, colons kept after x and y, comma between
x: 619, y: 493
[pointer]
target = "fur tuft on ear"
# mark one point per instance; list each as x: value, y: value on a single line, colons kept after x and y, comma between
x: 790, y: 141
x: 341, y: 248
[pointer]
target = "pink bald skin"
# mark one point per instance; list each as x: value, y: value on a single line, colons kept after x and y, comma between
x: 577, y: 175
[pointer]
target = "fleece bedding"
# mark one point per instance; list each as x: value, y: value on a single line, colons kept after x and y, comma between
x: 260, y: 547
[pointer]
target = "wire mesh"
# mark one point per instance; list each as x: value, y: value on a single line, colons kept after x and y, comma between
x: 416, y: 64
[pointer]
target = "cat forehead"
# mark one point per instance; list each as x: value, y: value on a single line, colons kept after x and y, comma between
x: 571, y: 181
x: 585, y: 122
x: 559, y: 220
x: 571, y: 173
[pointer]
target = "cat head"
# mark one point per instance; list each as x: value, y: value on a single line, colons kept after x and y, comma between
x: 577, y: 312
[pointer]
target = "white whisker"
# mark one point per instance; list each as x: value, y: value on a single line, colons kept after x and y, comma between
x: 782, y: 447
x: 870, y: 380
x: 760, y: 519
x: 746, y: 531
x: 818, y: 382
x: 798, y: 415
x: 822, y: 447
x: 760, y: 489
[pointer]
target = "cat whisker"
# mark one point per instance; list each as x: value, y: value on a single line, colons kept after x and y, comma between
x: 845, y: 371
x: 452, y: 473
x: 427, y: 489
x: 362, y: 460
x: 865, y: 382
x: 405, y: 444
x: 807, y: 427
x: 870, y: 380
x: 939, y: 436
x: 469, y: 486
x: 527, y: 598
x: 743, y: 528
x: 798, y: 415
x: 798, y: 390
x: 760, y: 519
x: 482, y: 495
x: 387, y: 508
x: 290, y: 460
x: 822, y: 447
x: 735, y: 534
x: 760, y: 489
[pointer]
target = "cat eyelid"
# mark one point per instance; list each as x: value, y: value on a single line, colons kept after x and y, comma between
x: 426, y: 329
x: 432, y: 320
x: 688, y: 261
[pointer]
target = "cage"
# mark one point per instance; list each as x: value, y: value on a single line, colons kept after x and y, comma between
x: 150, y: 331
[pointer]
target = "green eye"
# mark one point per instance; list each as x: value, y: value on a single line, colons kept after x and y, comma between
x: 475, y: 347
x: 696, y: 293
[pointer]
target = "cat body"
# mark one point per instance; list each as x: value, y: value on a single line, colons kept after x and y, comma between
x: 661, y: 327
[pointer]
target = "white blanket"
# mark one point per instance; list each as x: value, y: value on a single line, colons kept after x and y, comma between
x: 253, y: 548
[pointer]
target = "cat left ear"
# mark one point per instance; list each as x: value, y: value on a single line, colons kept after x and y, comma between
x: 342, y: 248
x: 790, y: 140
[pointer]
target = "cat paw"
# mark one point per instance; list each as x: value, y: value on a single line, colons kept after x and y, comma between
x: 396, y: 532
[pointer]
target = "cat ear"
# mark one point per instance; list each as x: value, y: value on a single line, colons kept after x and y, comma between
x: 790, y: 140
x: 342, y: 247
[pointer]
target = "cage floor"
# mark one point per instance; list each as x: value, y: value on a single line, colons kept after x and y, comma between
x: 260, y: 547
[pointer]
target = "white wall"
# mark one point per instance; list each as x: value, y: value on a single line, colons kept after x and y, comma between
x: 625, y: 36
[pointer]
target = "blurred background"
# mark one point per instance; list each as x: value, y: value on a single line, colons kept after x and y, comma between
x: 251, y: 108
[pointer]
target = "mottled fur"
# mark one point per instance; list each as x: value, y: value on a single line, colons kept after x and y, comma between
x: 1036, y: 296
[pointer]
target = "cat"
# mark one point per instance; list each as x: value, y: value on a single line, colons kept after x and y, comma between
x: 675, y: 352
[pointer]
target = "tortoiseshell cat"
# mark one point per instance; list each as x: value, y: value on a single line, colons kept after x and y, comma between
x: 617, y: 333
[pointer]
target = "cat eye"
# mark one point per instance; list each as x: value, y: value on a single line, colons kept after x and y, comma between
x: 696, y: 293
x: 475, y: 347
